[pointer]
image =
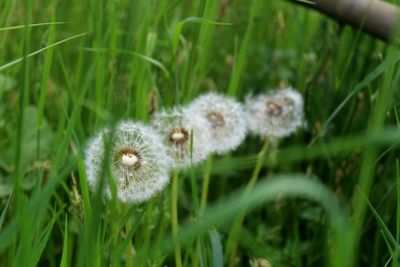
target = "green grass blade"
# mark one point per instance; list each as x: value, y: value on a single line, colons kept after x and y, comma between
x: 268, y: 190
x: 123, y: 246
x: 176, y: 35
x: 18, y: 60
x: 45, y: 235
x: 64, y: 256
x: 397, y: 248
x: 389, y: 61
x: 398, y: 201
x: 387, y: 242
x: 216, y: 248
x: 148, y: 59
x: 18, y: 27
x: 7, y: 235
x: 336, y: 147
x: 305, y: 1
x: 385, y: 231
x: 241, y: 60
x: 45, y: 78
x: 3, y: 213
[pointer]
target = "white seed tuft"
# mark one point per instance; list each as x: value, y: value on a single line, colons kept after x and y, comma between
x: 138, y: 160
x: 129, y: 159
x: 276, y: 114
x: 177, y: 129
x: 178, y: 136
x: 225, y: 120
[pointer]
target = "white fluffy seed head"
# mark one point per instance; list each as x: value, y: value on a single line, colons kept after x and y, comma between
x: 138, y: 160
x: 225, y: 120
x: 275, y: 114
x: 177, y: 129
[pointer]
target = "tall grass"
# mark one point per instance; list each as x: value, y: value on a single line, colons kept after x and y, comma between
x: 328, y: 196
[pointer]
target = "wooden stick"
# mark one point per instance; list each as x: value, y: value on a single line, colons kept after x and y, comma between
x: 376, y: 17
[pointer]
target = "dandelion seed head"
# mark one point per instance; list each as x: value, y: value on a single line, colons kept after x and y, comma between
x: 225, y: 120
x: 275, y: 114
x: 177, y: 130
x: 139, y: 162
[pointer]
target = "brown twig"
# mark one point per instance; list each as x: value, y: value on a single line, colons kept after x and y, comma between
x: 376, y: 17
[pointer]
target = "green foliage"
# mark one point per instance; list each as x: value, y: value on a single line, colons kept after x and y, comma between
x: 327, y: 196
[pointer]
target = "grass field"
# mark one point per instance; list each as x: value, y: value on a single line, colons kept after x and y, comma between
x: 329, y: 195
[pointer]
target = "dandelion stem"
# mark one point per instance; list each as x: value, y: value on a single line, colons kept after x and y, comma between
x: 174, y: 218
x: 147, y: 233
x: 206, y: 183
x: 234, y: 234
x: 203, y: 203
x: 129, y: 248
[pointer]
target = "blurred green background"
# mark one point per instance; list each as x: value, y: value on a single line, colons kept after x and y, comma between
x: 95, y: 62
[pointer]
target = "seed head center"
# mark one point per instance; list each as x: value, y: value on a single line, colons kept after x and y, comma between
x: 179, y: 135
x: 274, y: 108
x: 217, y: 119
x: 129, y: 159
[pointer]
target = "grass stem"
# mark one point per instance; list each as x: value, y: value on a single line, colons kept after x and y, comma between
x: 174, y: 218
x: 231, y: 246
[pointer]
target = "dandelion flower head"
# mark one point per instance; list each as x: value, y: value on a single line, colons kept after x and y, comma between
x: 138, y: 161
x: 225, y: 120
x: 275, y: 114
x: 179, y: 132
